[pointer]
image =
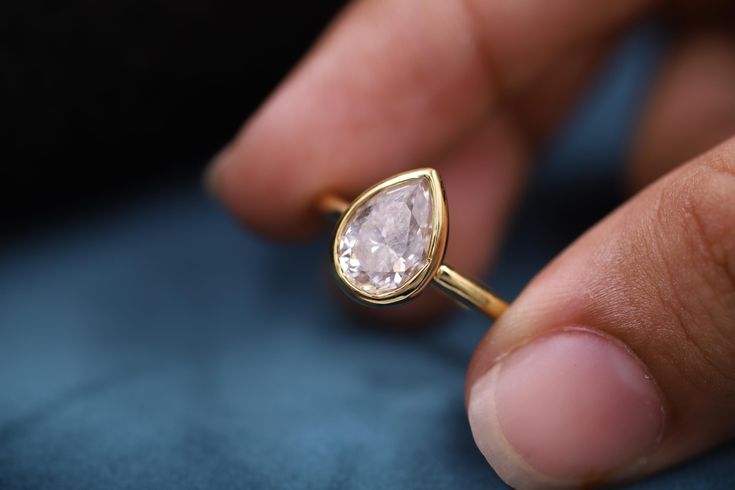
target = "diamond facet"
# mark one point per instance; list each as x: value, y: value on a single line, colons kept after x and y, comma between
x: 386, y: 242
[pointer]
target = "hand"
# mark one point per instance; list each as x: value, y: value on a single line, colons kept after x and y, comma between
x: 618, y: 360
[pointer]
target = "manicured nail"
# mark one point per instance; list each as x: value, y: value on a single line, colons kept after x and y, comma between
x: 568, y: 409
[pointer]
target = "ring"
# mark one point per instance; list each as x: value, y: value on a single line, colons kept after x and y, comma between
x: 389, y: 244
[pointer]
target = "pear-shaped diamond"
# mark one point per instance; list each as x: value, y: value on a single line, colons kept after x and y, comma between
x: 386, y: 242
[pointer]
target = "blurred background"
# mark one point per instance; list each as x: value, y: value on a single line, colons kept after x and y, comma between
x: 146, y: 340
x: 100, y: 99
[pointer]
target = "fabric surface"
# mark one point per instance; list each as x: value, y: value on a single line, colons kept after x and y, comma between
x: 157, y: 345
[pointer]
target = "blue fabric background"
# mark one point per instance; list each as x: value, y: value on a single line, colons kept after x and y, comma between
x: 157, y: 345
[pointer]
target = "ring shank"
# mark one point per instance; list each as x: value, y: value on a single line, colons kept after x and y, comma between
x: 468, y: 292
x: 331, y: 204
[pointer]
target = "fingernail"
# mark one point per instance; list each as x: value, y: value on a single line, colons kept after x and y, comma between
x: 568, y: 409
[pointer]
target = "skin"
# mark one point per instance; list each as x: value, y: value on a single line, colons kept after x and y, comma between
x: 642, y: 305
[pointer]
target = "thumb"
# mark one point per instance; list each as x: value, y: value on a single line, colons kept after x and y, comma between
x: 619, y: 358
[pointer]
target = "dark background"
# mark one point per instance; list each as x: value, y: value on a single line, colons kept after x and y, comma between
x: 100, y: 98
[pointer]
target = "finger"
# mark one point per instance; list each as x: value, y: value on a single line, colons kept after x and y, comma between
x: 484, y: 175
x: 619, y: 358
x: 692, y: 107
x: 393, y: 83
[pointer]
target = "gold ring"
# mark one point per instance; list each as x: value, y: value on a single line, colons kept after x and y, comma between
x: 389, y: 244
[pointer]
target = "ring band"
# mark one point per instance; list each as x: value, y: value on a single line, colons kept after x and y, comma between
x: 389, y: 244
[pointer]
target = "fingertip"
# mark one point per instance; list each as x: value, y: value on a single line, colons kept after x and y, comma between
x: 264, y: 208
x: 568, y: 409
x: 209, y: 175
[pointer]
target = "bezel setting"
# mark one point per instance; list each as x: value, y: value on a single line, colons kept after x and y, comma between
x: 436, y: 247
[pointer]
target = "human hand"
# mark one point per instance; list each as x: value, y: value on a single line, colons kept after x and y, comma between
x: 618, y: 360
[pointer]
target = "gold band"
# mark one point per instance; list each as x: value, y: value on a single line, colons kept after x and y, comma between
x: 447, y: 279
x: 468, y: 292
x: 331, y: 204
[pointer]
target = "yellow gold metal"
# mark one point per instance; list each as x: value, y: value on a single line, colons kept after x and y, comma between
x: 437, y: 244
x: 468, y: 292
x: 331, y: 204
x: 448, y: 280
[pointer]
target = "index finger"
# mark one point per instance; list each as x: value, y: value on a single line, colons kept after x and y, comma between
x: 389, y: 86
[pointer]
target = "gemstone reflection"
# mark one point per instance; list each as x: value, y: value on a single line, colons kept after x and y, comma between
x: 386, y: 242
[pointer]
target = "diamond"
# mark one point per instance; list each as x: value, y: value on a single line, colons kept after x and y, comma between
x: 385, y: 244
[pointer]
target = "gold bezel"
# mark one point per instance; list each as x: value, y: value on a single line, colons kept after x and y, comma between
x: 437, y: 245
